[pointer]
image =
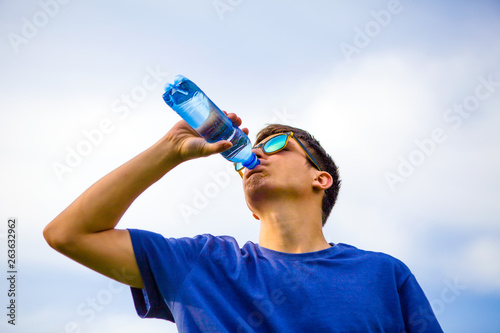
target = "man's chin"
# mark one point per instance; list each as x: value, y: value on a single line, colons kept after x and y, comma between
x: 256, y: 187
x: 253, y: 180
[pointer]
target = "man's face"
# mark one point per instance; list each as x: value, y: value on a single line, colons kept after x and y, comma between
x: 286, y: 173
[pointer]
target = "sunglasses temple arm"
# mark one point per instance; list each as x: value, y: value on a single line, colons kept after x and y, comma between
x: 307, y: 153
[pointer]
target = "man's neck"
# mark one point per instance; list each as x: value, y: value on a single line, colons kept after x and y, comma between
x: 292, y: 231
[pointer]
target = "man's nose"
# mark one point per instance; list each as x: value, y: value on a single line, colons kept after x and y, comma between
x: 258, y: 152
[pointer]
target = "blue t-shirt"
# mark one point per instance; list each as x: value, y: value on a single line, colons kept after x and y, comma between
x: 210, y: 284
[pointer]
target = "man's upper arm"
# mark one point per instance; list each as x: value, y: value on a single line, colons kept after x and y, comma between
x: 417, y: 311
x: 108, y: 252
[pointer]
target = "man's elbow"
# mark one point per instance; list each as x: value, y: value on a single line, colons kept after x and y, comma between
x: 55, y: 237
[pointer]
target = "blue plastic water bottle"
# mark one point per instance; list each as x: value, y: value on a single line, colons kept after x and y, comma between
x: 185, y: 98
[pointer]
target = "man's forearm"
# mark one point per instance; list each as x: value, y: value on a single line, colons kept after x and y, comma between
x: 102, y: 205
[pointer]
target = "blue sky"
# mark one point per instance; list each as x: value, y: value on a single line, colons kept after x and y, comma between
x: 410, y: 117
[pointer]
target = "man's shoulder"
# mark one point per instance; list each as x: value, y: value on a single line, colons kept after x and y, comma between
x: 204, y: 236
x: 213, y: 242
x: 373, y: 257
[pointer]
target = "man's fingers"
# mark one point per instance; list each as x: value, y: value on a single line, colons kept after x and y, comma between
x: 234, y: 118
x: 236, y: 121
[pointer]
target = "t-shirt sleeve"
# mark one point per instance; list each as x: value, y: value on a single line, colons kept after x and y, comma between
x: 417, y: 312
x: 164, y: 263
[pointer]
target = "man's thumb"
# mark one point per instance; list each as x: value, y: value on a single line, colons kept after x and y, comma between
x: 219, y: 147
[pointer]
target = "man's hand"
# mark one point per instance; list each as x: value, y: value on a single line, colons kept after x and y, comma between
x: 188, y: 144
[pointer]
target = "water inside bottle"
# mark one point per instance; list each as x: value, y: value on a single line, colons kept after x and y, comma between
x: 216, y: 128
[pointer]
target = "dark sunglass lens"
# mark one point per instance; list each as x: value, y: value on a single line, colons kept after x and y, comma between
x: 275, y: 143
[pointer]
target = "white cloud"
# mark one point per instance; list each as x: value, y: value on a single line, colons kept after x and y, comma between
x: 481, y: 264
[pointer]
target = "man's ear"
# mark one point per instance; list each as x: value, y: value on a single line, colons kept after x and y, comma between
x: 322, y: 181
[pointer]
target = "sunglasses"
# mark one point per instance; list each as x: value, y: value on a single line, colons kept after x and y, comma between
x: 277, y: 143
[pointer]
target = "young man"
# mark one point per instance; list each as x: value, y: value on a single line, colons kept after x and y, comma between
x: 293, y: 280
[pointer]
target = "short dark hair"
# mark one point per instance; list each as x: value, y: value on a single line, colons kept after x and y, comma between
x: 324, y: 160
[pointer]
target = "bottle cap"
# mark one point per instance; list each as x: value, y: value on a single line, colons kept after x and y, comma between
x: 252, y: 162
